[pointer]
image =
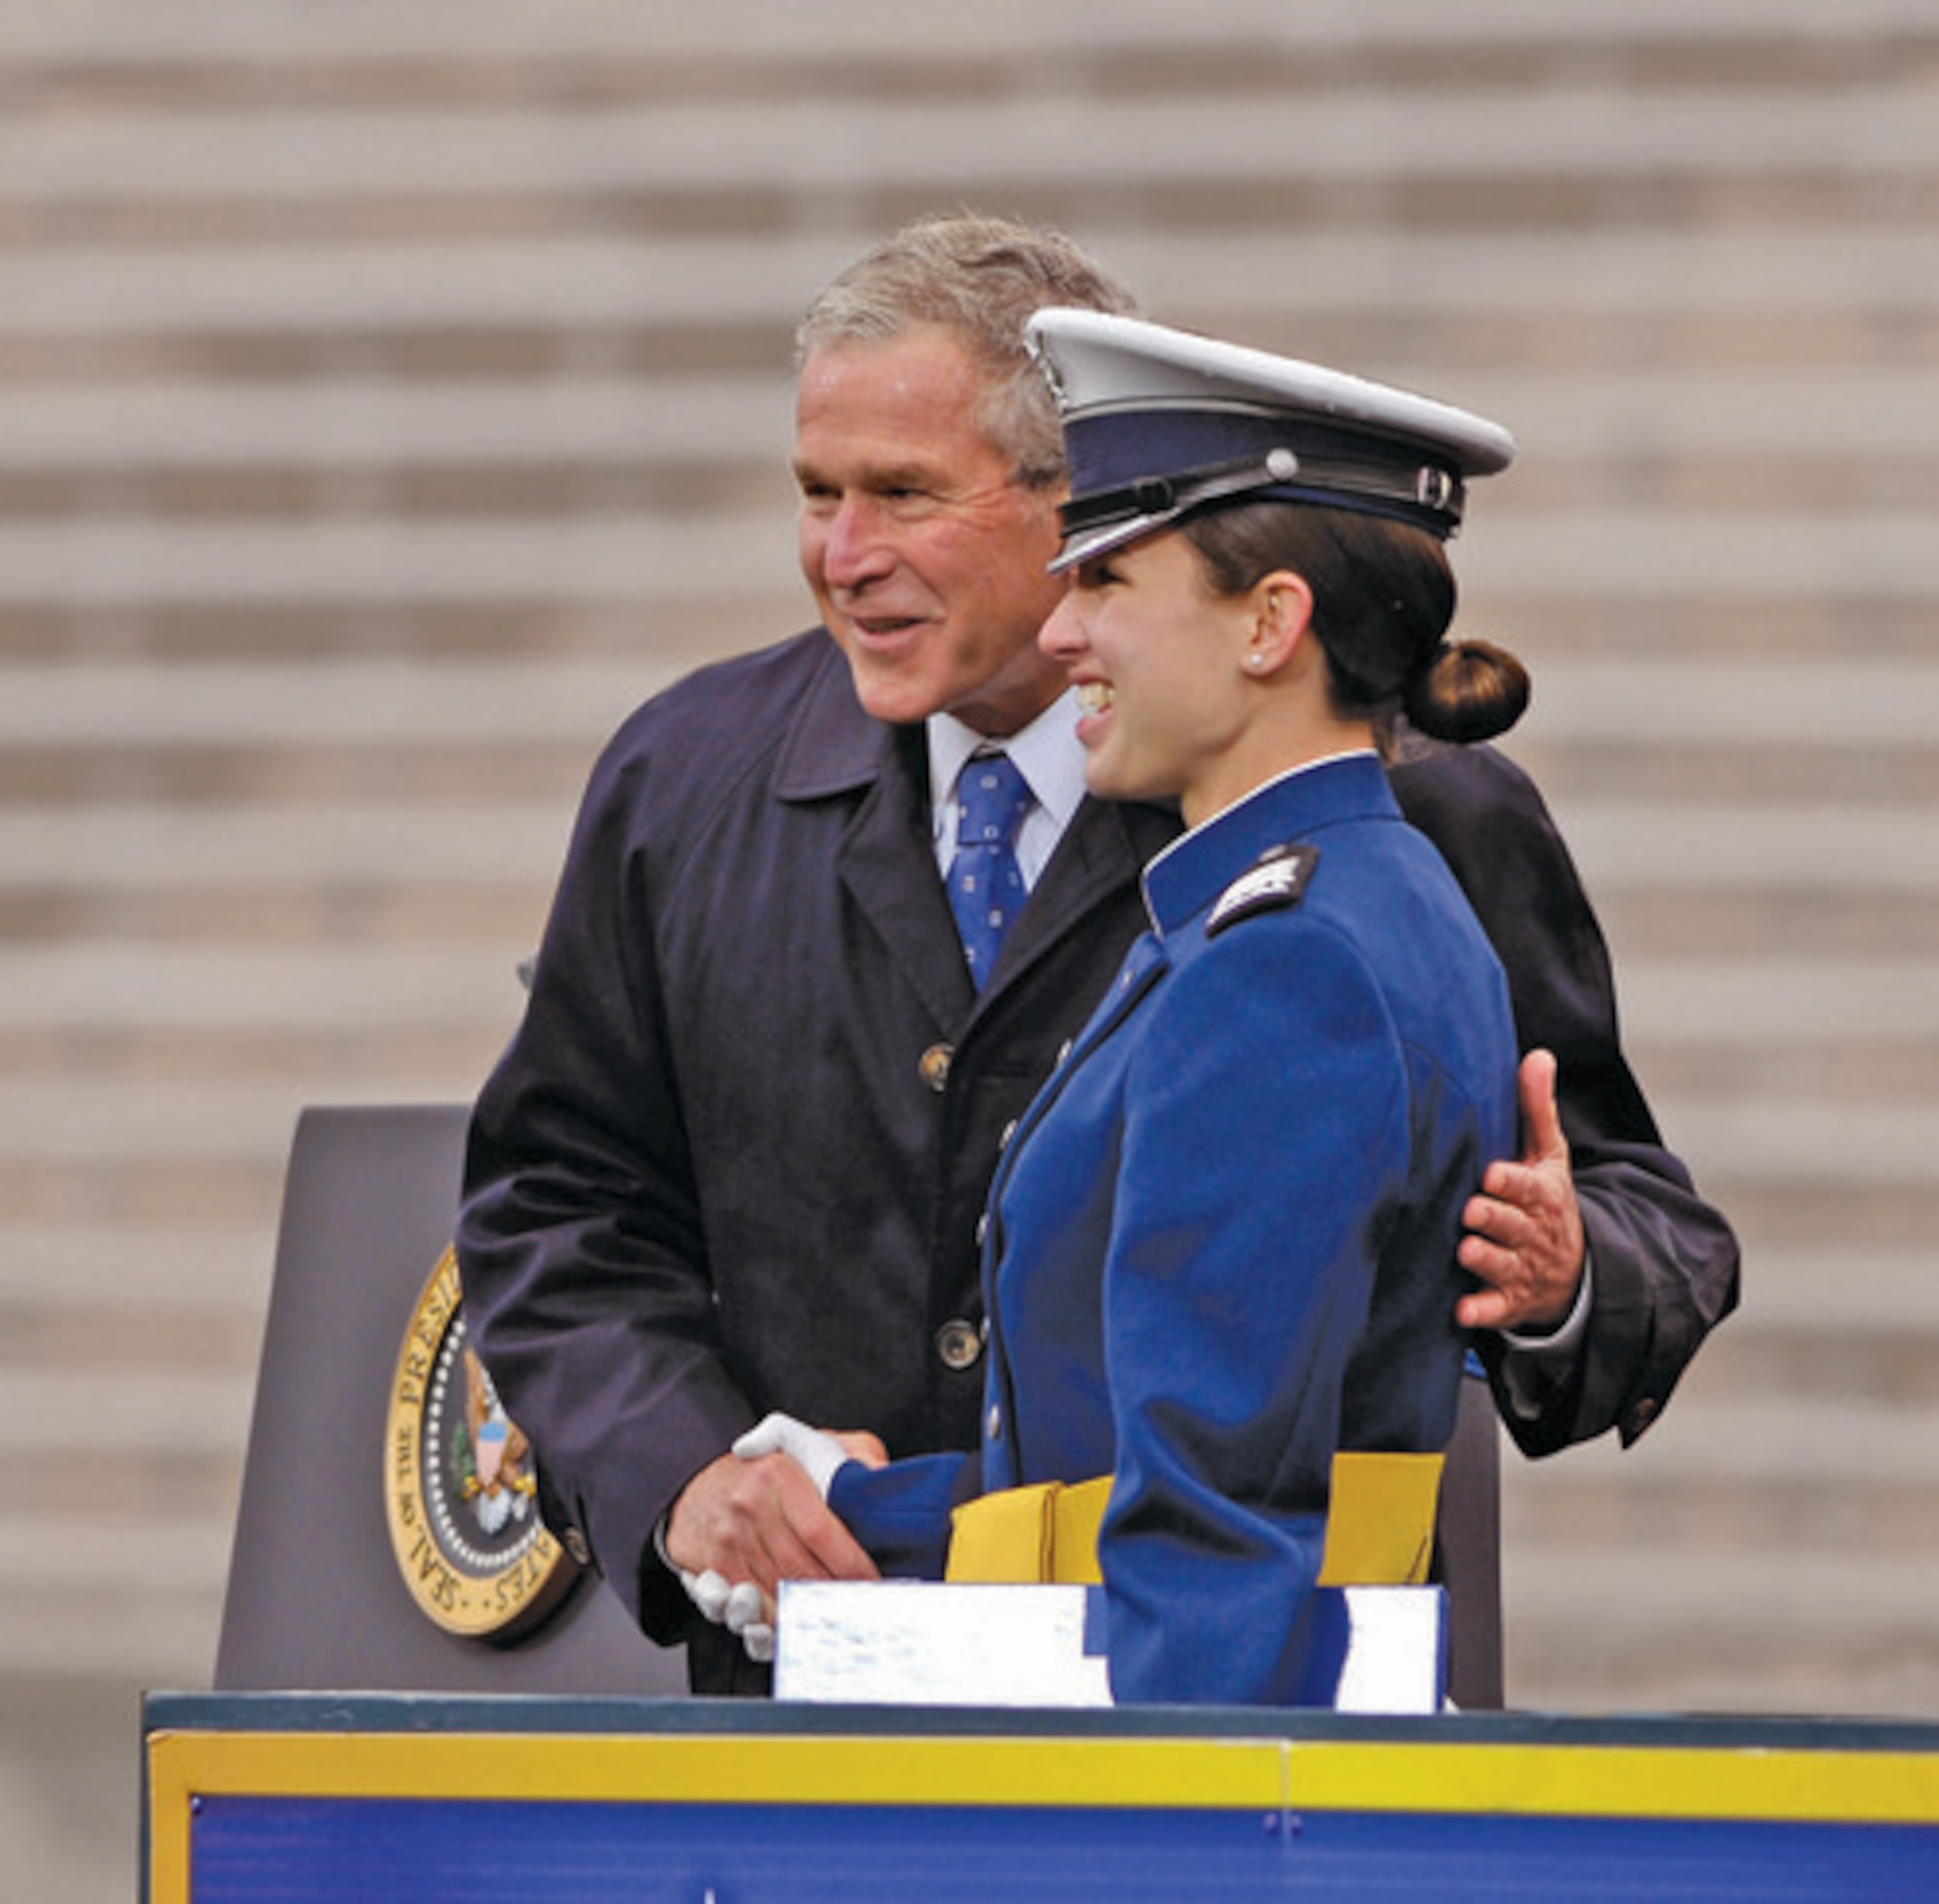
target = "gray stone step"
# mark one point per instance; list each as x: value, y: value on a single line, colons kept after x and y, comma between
x: 357, y: 703
x: 1185, y: 139
x: 288, y: 36
x: 1836, y: 853
x: 369, y: 561
x: 1831, y: 855
x: 161, y: 1414
x: 181, y: 423
x: 1781, y: 1000
x: 201, y: 1276
x: 134, y: 1599
x: 1862, y: 702
x: 134, y: 846
x: 1530, y: 556
x: 1592, y: 275
x: 320, y: 986
x: 1660, y: 420
x: 1666, y: 1630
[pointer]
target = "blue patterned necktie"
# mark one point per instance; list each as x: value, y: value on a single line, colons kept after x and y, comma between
x: 986, y: 886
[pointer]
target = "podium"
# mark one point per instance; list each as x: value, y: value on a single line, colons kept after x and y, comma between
x: 315, y: 1597
x: 293, y: 1799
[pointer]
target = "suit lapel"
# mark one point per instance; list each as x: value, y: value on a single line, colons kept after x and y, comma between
x: 838, y: 750
x: 885, y: 860
x: 888, y: 865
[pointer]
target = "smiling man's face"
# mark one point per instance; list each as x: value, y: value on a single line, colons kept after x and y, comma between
x: 926, y: 558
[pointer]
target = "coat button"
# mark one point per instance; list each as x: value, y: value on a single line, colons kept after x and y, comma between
x: 957, y: 1343
x: 574, y: 1543
x: 982, y: 1228
x: 933, y: 1066
x: 992, y: 1424
x: 1010, y: 1132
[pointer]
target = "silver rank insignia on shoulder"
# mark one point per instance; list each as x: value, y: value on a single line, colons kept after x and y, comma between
x: 1277, y: 882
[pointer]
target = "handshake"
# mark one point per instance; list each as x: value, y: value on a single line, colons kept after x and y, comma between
x: 771, y: 1543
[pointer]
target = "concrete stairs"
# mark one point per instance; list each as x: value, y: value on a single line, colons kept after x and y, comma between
x: 393, y: 395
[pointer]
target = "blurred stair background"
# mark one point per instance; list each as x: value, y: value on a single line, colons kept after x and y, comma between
x: 391, y: 396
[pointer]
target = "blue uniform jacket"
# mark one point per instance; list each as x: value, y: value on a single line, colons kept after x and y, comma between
x: 1222, y: 1237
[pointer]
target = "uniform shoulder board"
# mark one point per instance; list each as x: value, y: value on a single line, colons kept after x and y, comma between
x: 1277, y: 882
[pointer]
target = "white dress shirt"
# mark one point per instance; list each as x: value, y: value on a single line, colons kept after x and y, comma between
x: 1048, y: 756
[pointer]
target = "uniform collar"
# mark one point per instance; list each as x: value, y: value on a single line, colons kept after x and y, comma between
x: 1198, y: 865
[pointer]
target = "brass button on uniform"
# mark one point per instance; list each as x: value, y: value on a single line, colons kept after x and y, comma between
x: 933, y: 1066
x: 957, y: 1343
x: 574, y: 1543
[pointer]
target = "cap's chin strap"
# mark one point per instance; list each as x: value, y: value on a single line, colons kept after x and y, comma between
x: 1428, y: 494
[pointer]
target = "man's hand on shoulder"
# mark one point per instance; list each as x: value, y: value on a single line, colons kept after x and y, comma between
x: 1525, y: 1237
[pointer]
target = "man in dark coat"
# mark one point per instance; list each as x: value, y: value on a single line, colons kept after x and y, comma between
x: 735, y: 1157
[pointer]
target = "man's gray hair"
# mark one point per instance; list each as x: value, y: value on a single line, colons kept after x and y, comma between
x: 979, y: 279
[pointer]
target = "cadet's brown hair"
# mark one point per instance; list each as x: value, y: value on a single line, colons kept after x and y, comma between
x: 1382, y: 600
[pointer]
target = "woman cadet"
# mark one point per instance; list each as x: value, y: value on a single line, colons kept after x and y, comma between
x: 1220, y: 1245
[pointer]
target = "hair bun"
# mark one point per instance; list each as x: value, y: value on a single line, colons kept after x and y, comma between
x: 1467, y: 691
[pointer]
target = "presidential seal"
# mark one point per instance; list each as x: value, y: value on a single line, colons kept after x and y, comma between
x: 459, y: 1487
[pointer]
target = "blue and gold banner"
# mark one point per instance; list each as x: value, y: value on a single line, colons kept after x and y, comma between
x: 286, y: 1799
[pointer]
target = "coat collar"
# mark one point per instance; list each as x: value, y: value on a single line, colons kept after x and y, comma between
x: 834, y: 745
x: 836, y: 749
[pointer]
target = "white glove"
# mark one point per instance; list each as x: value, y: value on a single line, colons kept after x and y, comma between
x: 759, y: 1641
x: 818, y: 1454
x: 709, y: 1591
x: 737, y: 1609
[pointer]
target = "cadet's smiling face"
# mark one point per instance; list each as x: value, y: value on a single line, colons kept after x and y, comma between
x: 927, y: 561
x: 1158, y: 664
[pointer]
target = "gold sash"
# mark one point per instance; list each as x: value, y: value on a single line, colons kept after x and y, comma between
x: 1380, y: 1527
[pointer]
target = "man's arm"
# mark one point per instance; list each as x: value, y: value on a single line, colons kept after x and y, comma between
x: 588, y: 1289
x: 1663, y: 1263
